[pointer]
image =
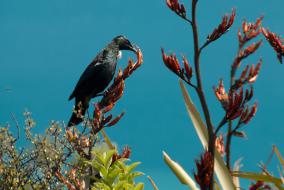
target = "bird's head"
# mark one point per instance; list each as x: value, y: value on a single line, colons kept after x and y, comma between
x: 124, y: 44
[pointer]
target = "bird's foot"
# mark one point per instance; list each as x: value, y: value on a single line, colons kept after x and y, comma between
x: 100, y: 94
x: 103, y: 93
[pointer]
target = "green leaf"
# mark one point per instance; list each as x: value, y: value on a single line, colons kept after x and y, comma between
x: 132, y: 167
x: 113, y: 174
x: 101, y: 186
x: 135, y: 174
x: 120, y: 163
x: 139, y: 186
x: 107, y: 140
x: 220, y: 168
x: 99, y: 158
x: 119, y: 185
x: 260, y: 177
x: 116, y: 175
x: 108, y: 158
x: 183, y: 177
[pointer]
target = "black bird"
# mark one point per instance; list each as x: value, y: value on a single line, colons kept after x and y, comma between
x: 97, y: 77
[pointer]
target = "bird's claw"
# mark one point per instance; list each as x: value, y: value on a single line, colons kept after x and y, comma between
x: 103, y: 93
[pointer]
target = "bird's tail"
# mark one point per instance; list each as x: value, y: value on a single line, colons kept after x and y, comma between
x: 78, y: 113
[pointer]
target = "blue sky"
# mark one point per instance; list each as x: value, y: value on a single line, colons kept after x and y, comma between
x: 45, y: 46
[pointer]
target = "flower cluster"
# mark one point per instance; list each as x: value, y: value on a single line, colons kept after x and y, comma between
x: 204, y: 170
x: 178, y: 8
x: 249, y: 31
x: 84, y: 140
x: 115, y: 91
x: 219, y: 144
x: 221, y: 94
x: 235, y: 103
x: 248, y: 51
x: 104, y: 106
x: 125, y: 154
x: 276, y: 42
x: 225, y: 25
x: 172, y: 63
x: 248, y: 75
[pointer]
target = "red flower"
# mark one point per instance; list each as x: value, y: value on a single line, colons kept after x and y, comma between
x: 276, y: 42
x: 221, y: 94
x: 172, y: 63
x: 178, y: 8
x: 219, y: 144
x: 248, y: 115
x: 204, y: 170
x: 223, y: 27
x: 250, y: 31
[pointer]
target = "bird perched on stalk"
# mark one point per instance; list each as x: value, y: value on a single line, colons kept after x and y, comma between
x: 97, y: 77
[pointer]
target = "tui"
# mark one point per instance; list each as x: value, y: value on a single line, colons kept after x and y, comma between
x: 97, y: 77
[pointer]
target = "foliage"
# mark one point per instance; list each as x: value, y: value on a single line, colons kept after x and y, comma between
x: 57, y: 159
x: 114, y: 173
x: 236, y: 102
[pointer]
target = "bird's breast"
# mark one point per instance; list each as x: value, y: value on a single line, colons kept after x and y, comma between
x: 103, y: 77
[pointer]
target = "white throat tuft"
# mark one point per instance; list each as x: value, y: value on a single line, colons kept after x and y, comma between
x: 119, y: 56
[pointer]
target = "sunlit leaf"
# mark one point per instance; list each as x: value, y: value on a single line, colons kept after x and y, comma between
x: 237, y: 167
x: 220, y: 168
x: 183, y: 177
x: 260, y: 177
x: 132, y: 167
x: 281, y: 160
x: 108, y: 158
x: 107, y: 139
x: 216, y: 186
x: 101, y: 186
x: 139, y: 186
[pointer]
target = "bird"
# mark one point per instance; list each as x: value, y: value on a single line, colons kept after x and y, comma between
x: 97, y: 76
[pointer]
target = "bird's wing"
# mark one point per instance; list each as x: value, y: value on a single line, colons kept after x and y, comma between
x: 88, y: 76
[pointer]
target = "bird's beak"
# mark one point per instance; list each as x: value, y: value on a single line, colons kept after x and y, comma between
x: 133, y: 48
